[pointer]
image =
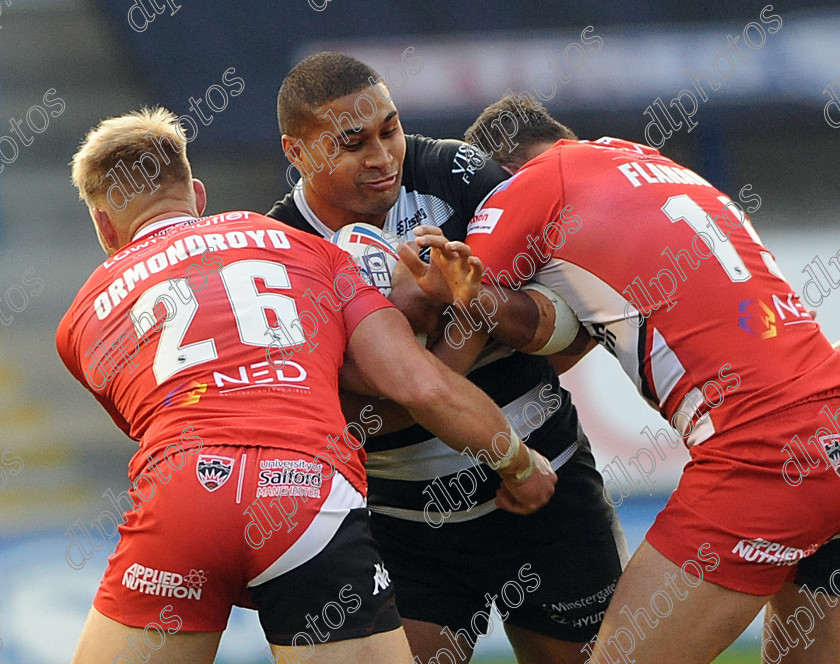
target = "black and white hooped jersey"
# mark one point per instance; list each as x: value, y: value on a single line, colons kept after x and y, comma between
x: 410, y: 471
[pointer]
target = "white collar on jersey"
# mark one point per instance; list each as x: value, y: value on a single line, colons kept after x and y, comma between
x: 158, y: 225
x: 325, y: 231
x: 300, y: 200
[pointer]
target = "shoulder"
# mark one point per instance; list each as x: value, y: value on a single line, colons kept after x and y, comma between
x: 287, y: 211
x: 452, y: 170
x: 301, y: 237
x: 449, y: 158
x: 64, y: 336
x: 90, y: 305
x: 606, y: 149
x: 419, y: 147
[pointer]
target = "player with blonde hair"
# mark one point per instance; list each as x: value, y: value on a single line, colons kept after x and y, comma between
x: 248, y: 486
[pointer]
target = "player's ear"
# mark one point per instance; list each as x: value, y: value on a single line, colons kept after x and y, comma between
x: 291, y: 148
x: 200, y: 195
x: 295, y: 150
x: 106, y: 230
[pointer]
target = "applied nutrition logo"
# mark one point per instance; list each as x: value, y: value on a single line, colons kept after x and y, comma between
x: 760, y: 550
x: 163, y: 583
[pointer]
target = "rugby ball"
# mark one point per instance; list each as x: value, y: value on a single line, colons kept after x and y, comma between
x: 372, y: 252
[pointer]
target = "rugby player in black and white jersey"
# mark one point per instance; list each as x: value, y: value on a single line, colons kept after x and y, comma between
x: 433, y: 511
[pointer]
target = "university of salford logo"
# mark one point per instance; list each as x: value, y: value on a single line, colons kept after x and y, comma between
x: 213, y: 471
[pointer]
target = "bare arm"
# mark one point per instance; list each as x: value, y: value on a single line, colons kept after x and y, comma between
x: 355, y: 390
x: 525, y: 320
x: 425, y: 315
x: 521, y: 319
x: 394, y: 417
x: 391, y: 361
x: 569, y: 357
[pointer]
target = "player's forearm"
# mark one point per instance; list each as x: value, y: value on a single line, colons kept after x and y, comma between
x: 454, y: 278
x: 567, y: 358
x: 391, y: 361
x: 457, y: 351
x: 393, y: 416
x: 512, y: 317
x: 535, y: 320
x: 396, y: 417
x: 464, y: 417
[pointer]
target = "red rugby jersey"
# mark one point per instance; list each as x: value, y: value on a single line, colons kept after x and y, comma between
x: 189, y: 326
x: 667, y: 273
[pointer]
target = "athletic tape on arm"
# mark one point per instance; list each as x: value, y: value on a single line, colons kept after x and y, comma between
x: 566, y: 324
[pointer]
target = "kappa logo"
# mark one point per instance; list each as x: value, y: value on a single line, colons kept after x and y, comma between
x: 604, y: 336
x: 831, y: 444
x: 213, y: 471
x: 381, y: 578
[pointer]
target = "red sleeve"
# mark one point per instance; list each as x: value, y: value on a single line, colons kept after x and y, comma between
x: 365, y: 299
x: 519, y: 225
x: 63, y: 346
x: 67, y: 348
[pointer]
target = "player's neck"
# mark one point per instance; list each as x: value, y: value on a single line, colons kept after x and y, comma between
x: 184, y: 209
x: 334, y: 217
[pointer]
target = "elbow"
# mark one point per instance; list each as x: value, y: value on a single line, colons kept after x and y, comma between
x: 428, y: 392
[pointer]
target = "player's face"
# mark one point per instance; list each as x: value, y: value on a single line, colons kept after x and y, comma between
x: 360, y: 178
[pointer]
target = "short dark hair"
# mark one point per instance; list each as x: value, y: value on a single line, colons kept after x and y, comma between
x: 315, y: 81
x: 537, y: 126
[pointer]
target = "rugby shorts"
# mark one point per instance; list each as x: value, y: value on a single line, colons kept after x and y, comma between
x: 552, y: 572
x: 822, y: 570
x: 757, y: 501
x: 254, y: 527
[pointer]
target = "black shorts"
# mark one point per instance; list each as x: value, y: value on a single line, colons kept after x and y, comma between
x: 822, y: 570
x: 350, y: 572
x: 552, y: 572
